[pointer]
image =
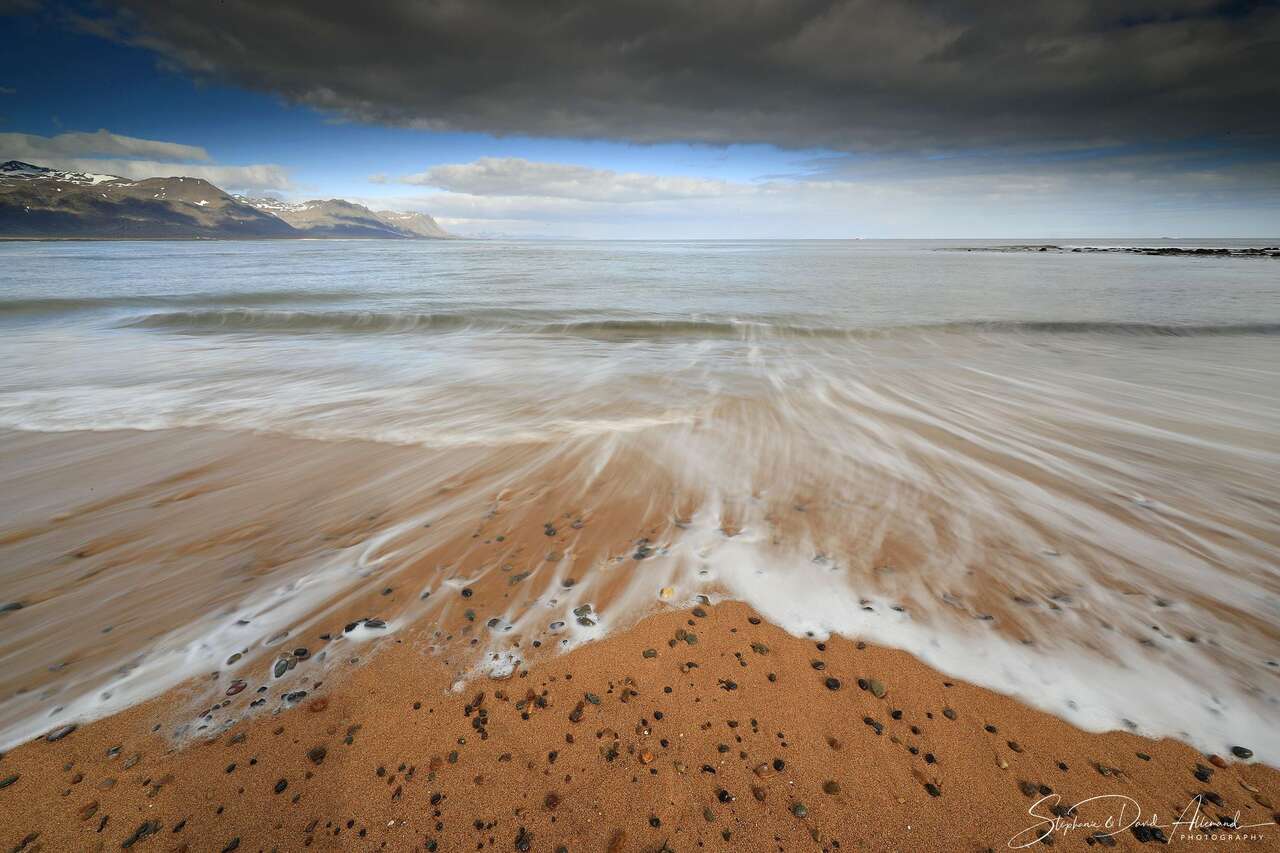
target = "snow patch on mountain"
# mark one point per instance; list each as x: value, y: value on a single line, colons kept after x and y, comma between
x: 18, y: 170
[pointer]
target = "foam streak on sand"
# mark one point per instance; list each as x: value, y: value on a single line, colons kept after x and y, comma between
x: 955, y: 516
x: 1070, y: 499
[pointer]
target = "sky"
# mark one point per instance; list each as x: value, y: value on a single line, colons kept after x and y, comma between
x: 667, y: 119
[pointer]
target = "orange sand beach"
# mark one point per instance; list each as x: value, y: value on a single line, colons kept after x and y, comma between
x: 696, y: 729
x: 435, y: 698
x: 652, y: 427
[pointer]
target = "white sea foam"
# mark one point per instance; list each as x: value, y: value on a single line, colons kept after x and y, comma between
x: 1083, y: 444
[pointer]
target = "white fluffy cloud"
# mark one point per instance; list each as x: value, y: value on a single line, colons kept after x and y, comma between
x: 258, y: 177
x: 131, y: 157
x: 886, y: 197
x: 514, y: 176
x: 103, y: 143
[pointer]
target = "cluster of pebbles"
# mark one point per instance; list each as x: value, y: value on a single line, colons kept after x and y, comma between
x: 699, y: 728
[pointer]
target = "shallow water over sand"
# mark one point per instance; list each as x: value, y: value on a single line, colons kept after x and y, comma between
x: 1054, y: 475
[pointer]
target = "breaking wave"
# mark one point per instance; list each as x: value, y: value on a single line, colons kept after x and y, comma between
x: 244, y: 320
x: 13, y: 308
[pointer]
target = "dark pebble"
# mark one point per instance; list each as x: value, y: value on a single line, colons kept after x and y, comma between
x: 8, y: 780
x: 1147, y: 834
x: 281, y: 785
x: 832, y: 683
x: 151, y: 827
x: 62, y: 731
x: 932, y: 789
x: 1242, y: 752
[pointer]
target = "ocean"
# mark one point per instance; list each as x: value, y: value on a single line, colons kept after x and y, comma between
x: 1056, y: 474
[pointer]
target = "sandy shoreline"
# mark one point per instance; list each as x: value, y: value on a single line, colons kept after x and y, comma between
x: 141, y: 559
x: 284, y: 644
x: 736, y: 739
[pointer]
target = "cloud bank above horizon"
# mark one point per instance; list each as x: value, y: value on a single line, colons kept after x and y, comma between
x: 847, y: 75
x: 110, y: 153
x: 718, y: 118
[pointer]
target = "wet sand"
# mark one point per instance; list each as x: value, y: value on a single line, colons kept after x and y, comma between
x: 697, y: 728
x: 264, y: 643
x: 142, y: 559
x: 256, y: 505
x: 369, y: 722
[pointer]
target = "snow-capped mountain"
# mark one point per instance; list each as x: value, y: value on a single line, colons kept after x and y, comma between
x: 418, y: 224
x: 36, y: 201
x: 40, y: 202
x: 16, y: 169
x: 337, y: 217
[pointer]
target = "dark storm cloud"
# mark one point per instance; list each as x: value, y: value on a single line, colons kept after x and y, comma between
x: 856, y: 75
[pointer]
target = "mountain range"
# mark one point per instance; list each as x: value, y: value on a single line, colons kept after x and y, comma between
x: 39, y: 202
